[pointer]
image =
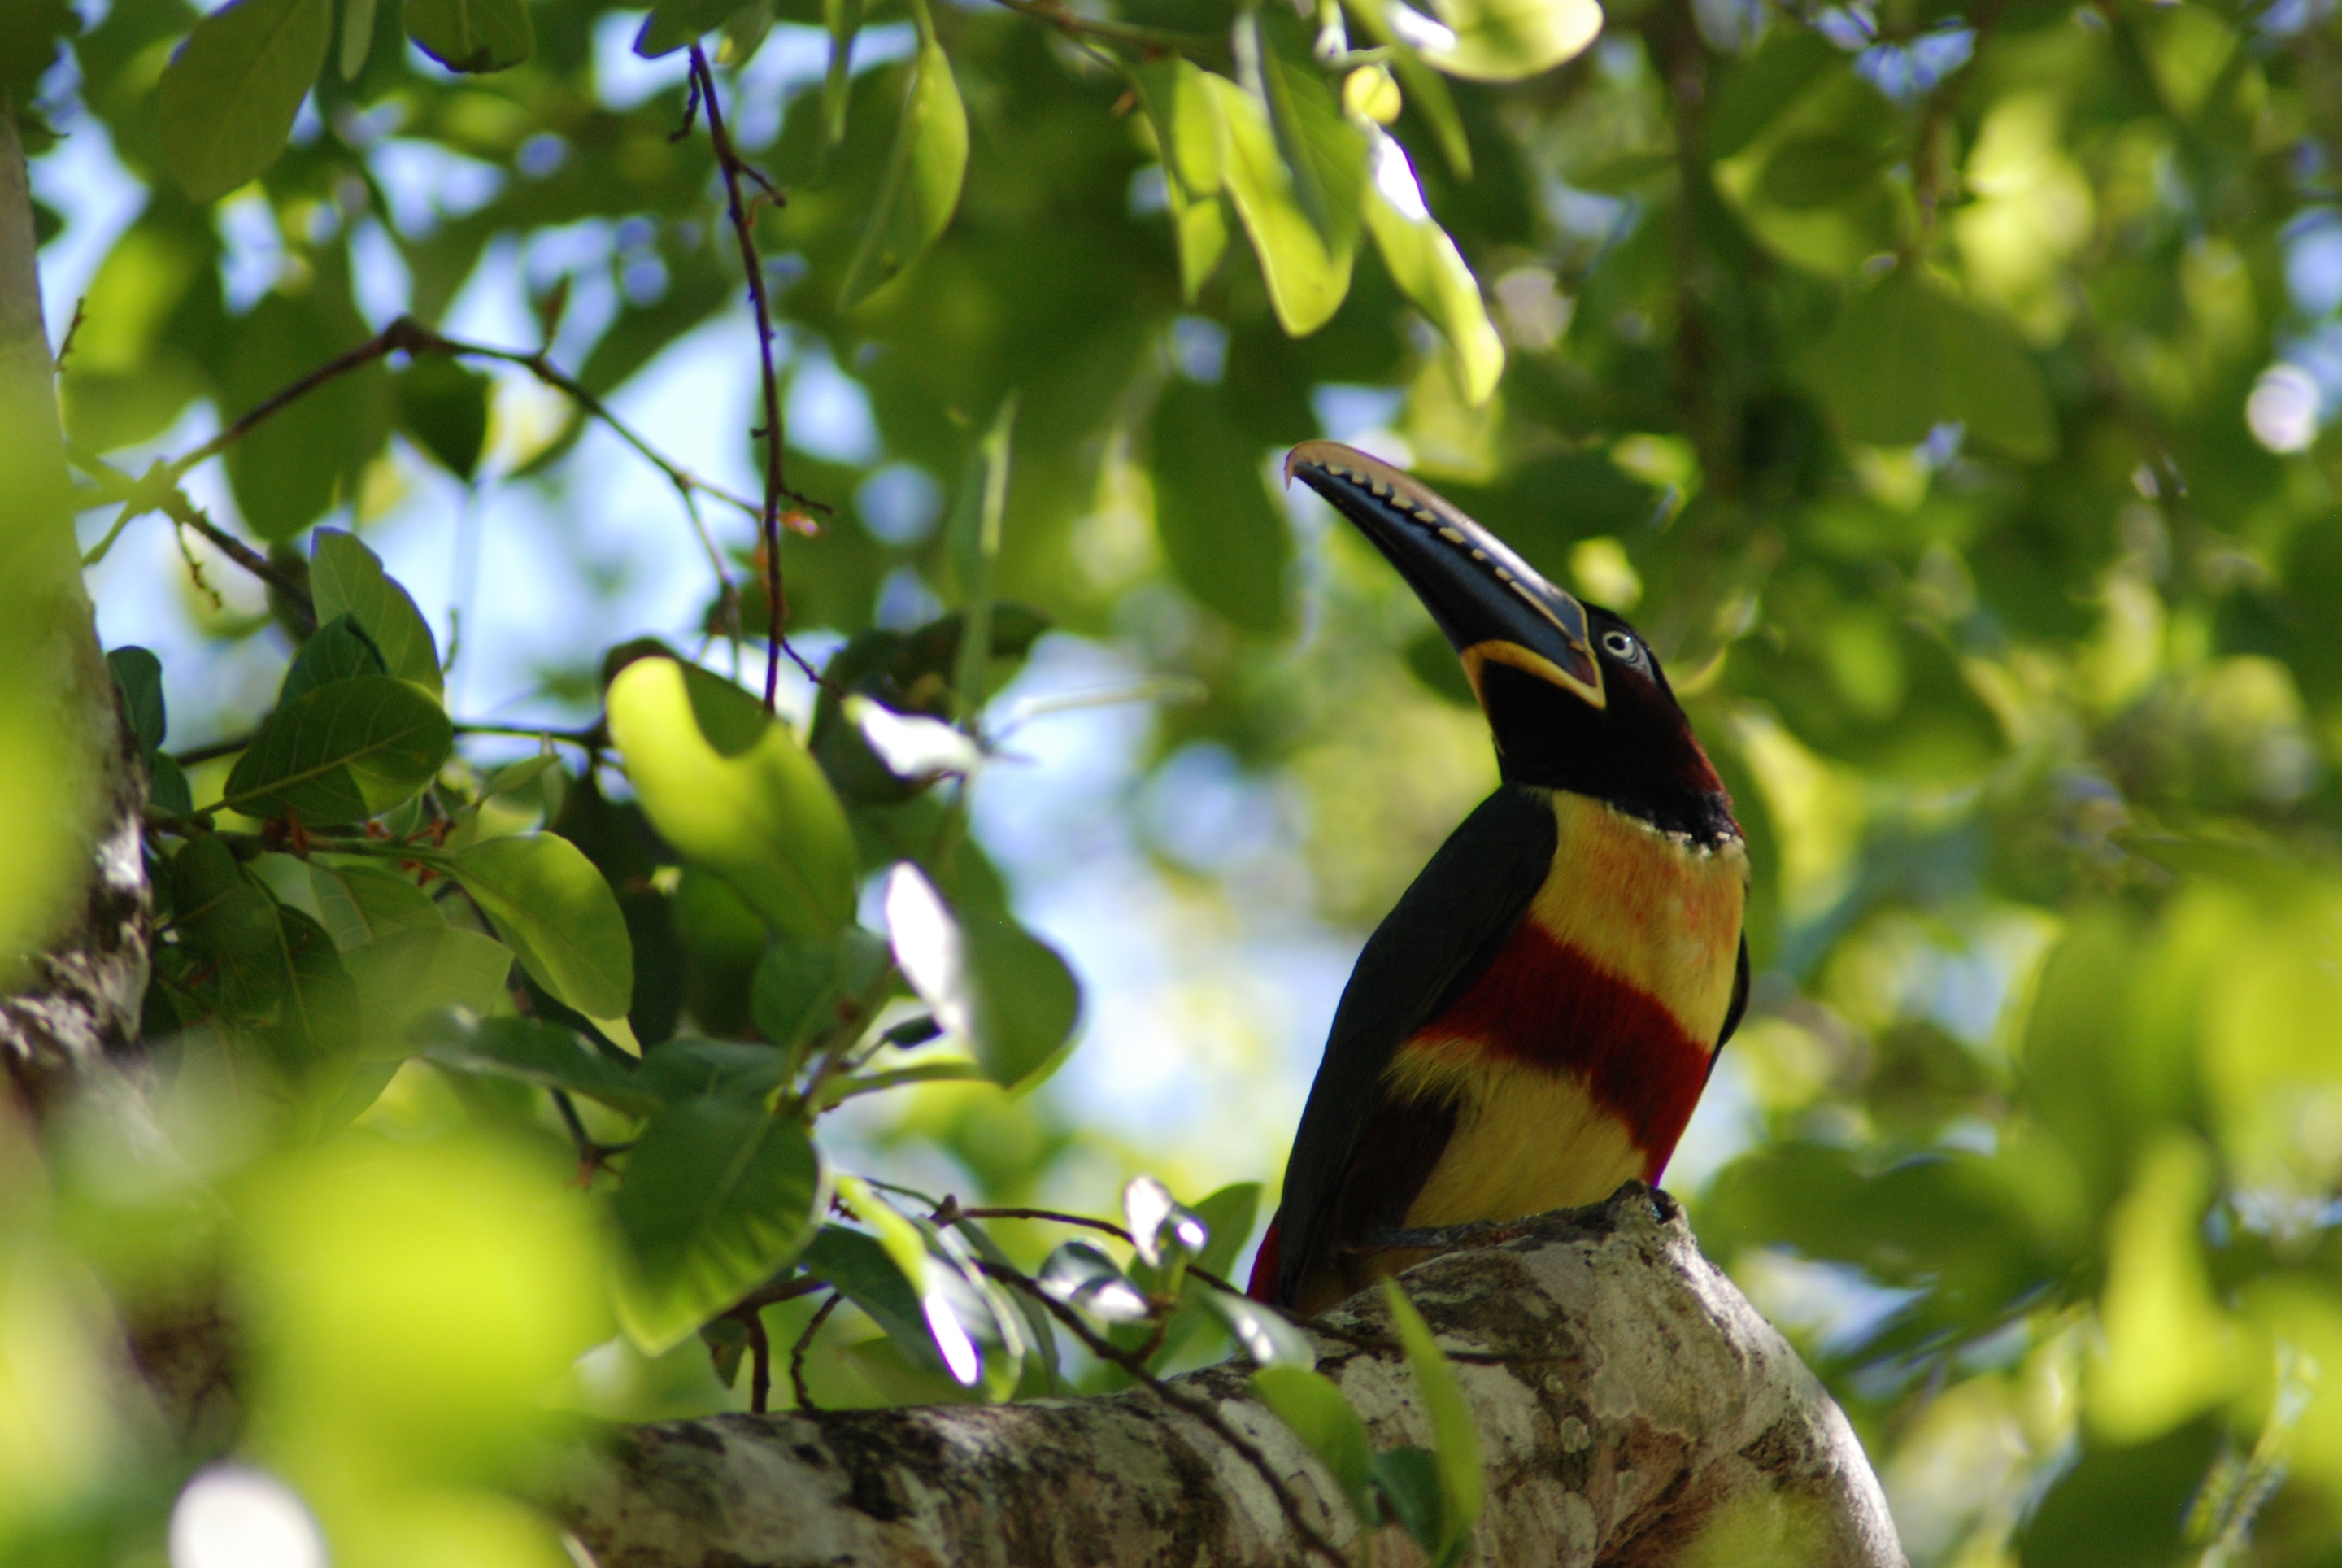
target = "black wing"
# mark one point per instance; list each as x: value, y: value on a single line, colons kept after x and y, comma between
x: 1443, y: 931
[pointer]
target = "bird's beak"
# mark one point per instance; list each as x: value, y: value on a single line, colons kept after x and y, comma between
x: 1495, y: 608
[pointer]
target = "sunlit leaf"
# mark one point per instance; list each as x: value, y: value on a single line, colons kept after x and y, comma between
x: 547, y: 900
x: 1080, y: 1274
x: 920, y: 189
x: 990, y: 983
x: 1499, y: 40
x: 717, y: 1195
x: 346, y: 578
x: 1261, y: 1333
x: 1307, y: 275
x: 472, y: 36
x: 1428, y: 267
x: 405, y: 974
x: 732, y: 789
x: 912, y: 746
x: 342, y: 752
x: 225, y: 105
x: 1325, y: 154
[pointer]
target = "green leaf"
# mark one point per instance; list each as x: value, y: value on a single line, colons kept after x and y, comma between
x: 1455, y: 1436
x: 229, y: 925
x: 687, y: 1069
x: 920, y: 189
x: 1200, y: 228
x: 1499, y: 40
x: 362, y: 901
x: 138, y: 676
x: 317, y: 1012
x: 1228, y: 1214
x: 1306, y: 276
x: 443, y: 407
x: 337, y: 650
x: 342, y: 752
x: 731, y: 788
x: 795, y: 988
x: 1818, y: 168
x: 1320, y: 1415
x: 1080, y: 1274
x: 225, y: 105
x: 672, y: 24
x: 989, y: 981
x: 975, y: 545
x: 1905, y: 356
x: 717, y: 1196
x: 857, y: 1264
x: 403, y: 975
x: 1763, y: 84
x: 1408, y: 1479
x: 1260, y: 1331
x: 545, y: 899
x: 844, y: 20
x: 347, y: 579
x: 1186, y: 119
x: 167, y: 787
x: 357, y: 37
x: 1429, y: 269
x: 1226, y: 539
x: 1325, y: 156
x: 475, y: 37
x: 312, y: 453
x: 1424, y: 88
x: 533, y: 1052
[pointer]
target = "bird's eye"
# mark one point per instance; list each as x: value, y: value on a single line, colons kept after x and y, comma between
x: 1618, y: 645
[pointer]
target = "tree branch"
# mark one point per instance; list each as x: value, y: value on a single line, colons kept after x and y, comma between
x: 1643, y: 1414
x: 768, y: 521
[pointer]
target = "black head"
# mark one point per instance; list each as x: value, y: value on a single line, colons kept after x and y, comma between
x: 1575, y: 700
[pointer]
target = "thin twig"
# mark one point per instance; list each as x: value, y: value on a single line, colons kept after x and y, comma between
x: 804, y: 1343
x: 592, y: 738
x: 952, y: 1215
x: 1181, y: 1400
x: 195, y: 754
x: 768, y: 521
x: 73, y: 330
x: 760, y: 1365
x: 1206, y: 46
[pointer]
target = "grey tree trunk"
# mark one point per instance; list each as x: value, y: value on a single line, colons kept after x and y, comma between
x: 1646, y: 1414
x: 73, y: 913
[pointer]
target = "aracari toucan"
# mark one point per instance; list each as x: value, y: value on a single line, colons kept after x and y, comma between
x: 1533, y: 1023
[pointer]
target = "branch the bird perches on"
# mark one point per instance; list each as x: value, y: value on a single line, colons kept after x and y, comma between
x: 1643, y: 1412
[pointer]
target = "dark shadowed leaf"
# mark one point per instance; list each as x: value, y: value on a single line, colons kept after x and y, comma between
x: 443, y: 407
x: 472, y: 36
x: 336, y: 650
x: 1227, y: 540
x: 534, y: 1052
